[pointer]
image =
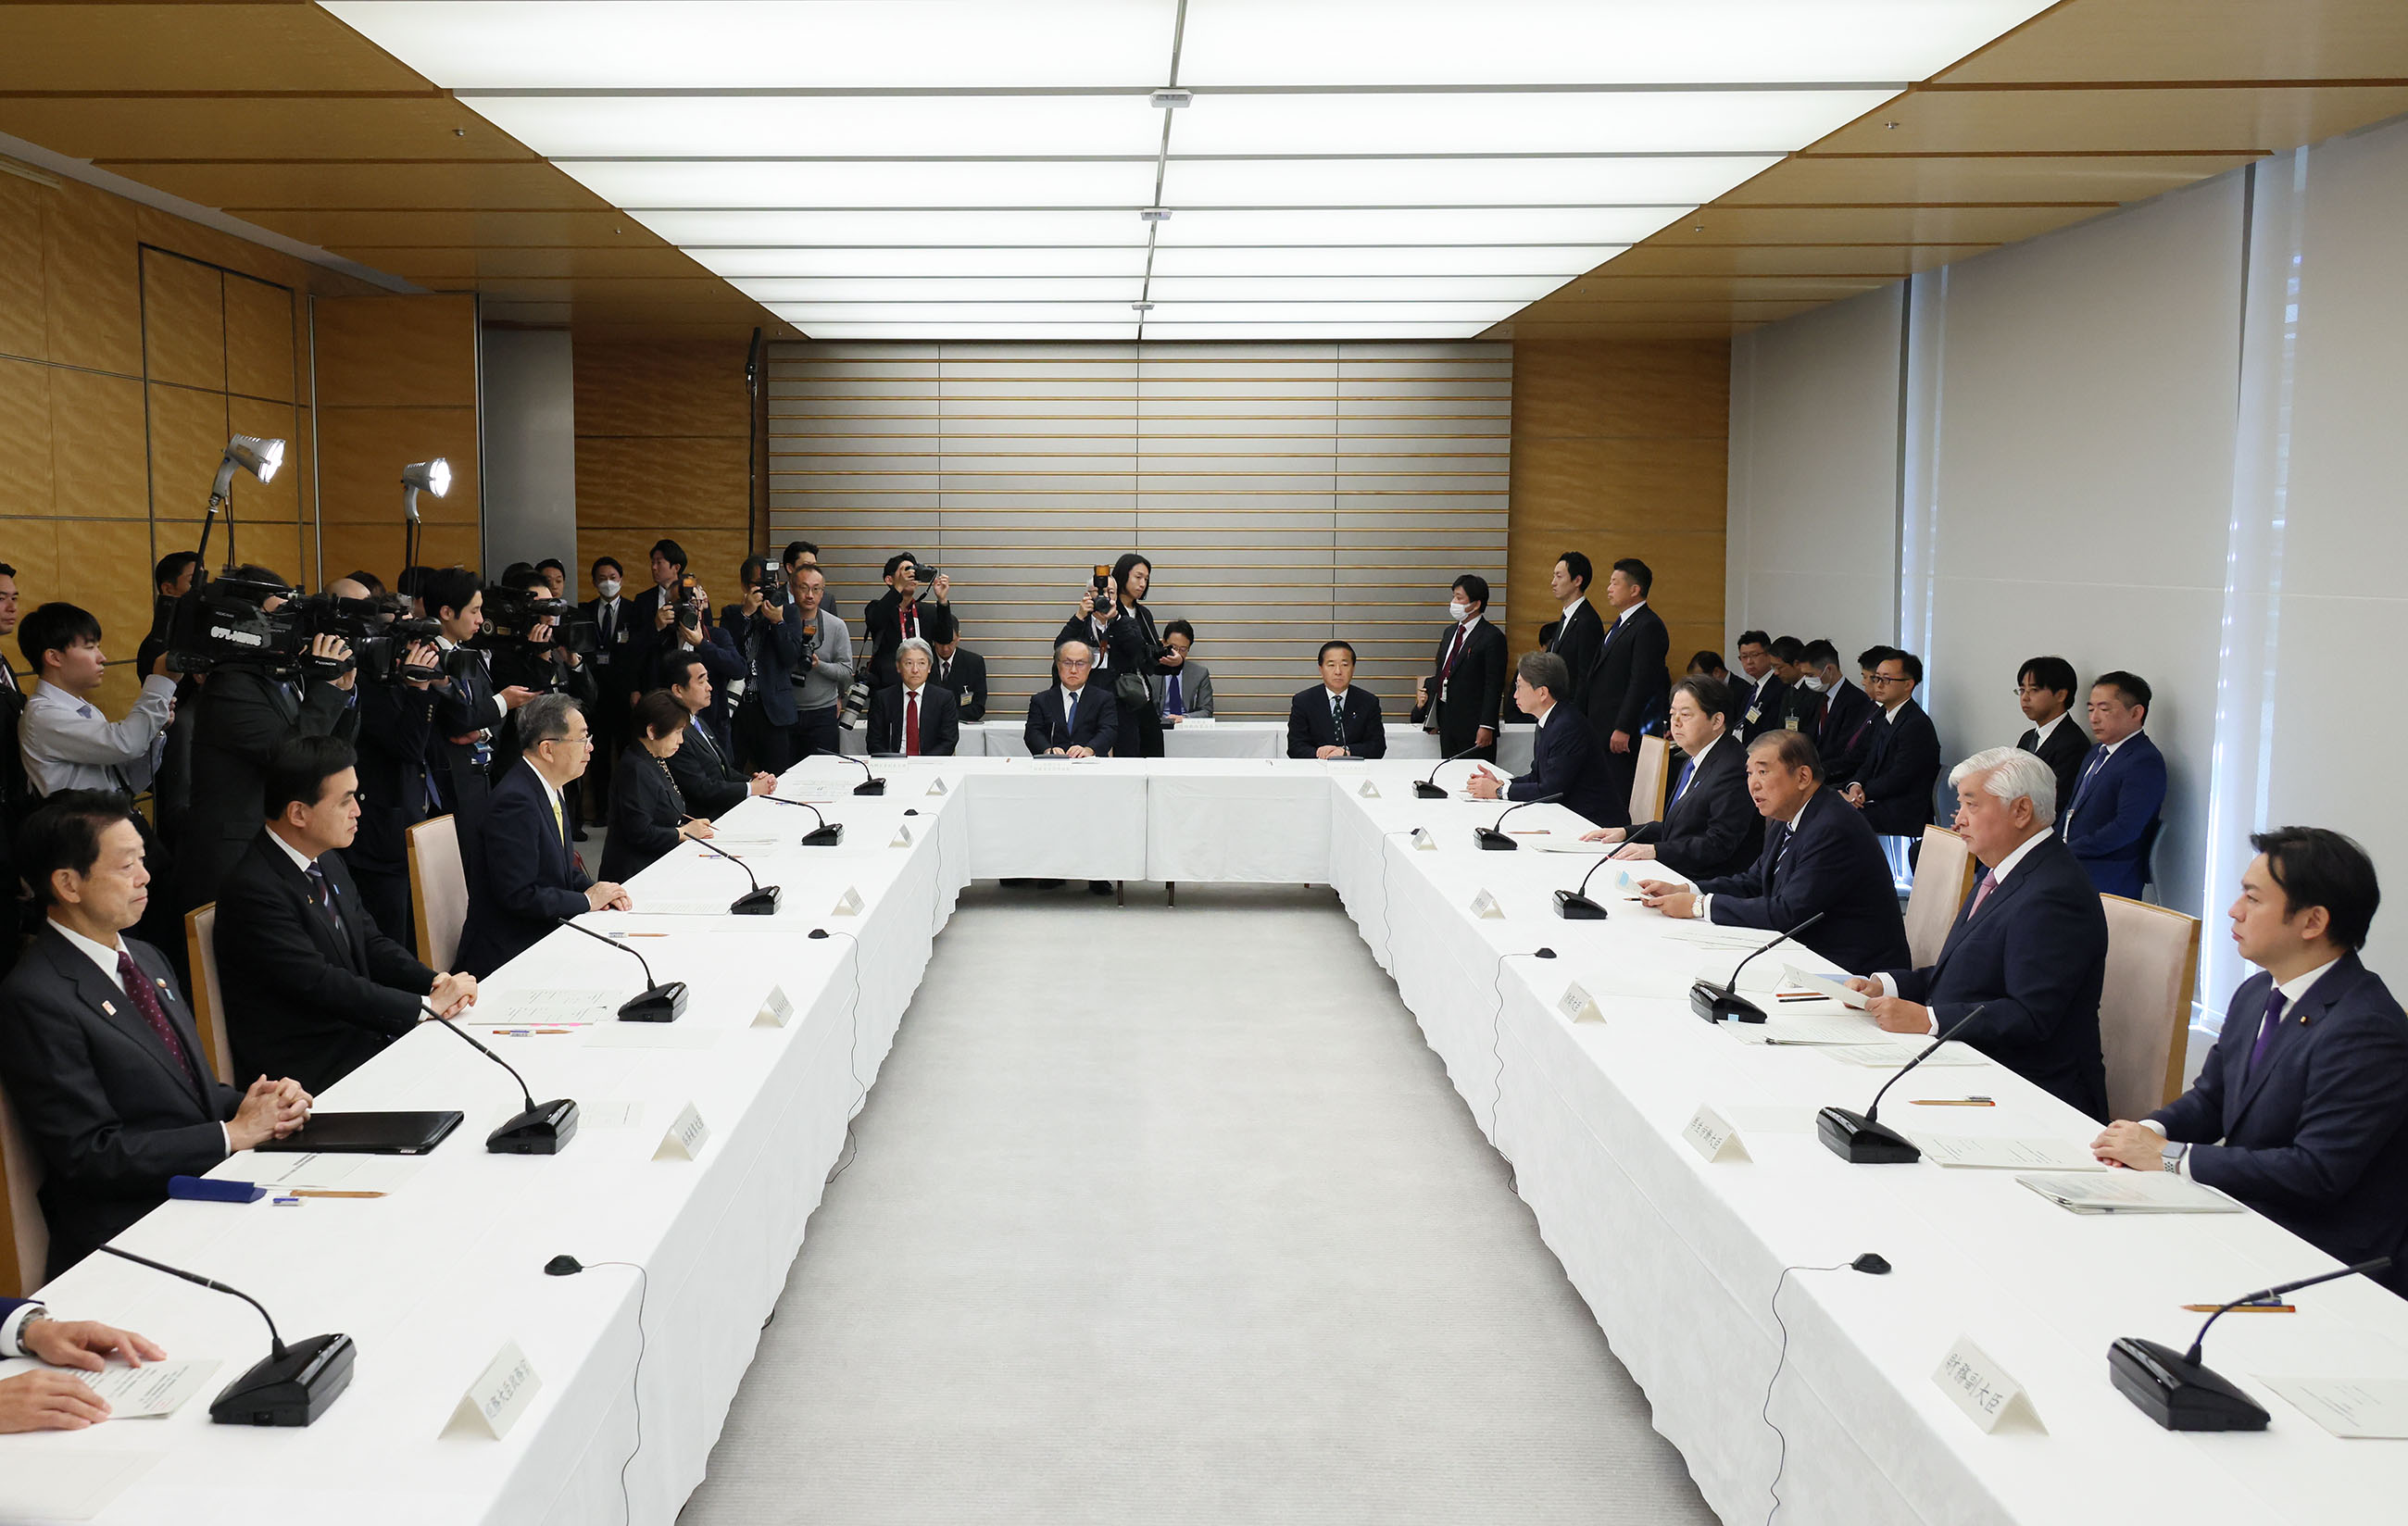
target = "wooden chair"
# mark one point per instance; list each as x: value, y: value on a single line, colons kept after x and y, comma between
x: 208, y: 1001
x: 1943, y: 875
x: 2145, y: 1010
x: 24, y: 1234
x: 439, y: 892
x: 1649, y: 780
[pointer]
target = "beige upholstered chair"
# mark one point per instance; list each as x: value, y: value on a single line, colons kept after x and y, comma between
x: 1647, y: 783
x: 24, y: 1236
x: 438, y: 890
x: 2144, y: 1010
x: 1943, y: 876
x: 209, y: 1001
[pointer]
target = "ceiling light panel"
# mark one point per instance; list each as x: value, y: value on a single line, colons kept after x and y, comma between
x: 1124, y: 289
x: 1407, y: 260
x: 1511, y: 42
x: 1332, y: 312
x: 973, y: 331
x: 772, y: 264
x: 1417, y: 225
x: 826, y: 126
x: 640, y: 185
x: 1544, y: 121
x: 919, y: 227
x: 1517, y: 290
x: 823, y: 44
x: 1303, y: 331
x: 810, y: 314
x: 1681, y: 181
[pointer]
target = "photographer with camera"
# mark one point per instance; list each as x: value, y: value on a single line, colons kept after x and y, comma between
x: 469, y: 707
x: 901, y: 611
x: 1112, y: 620
x: 396, y: 742
x: 768, y: 631
x: 536, y: 645
x: 825, y: 671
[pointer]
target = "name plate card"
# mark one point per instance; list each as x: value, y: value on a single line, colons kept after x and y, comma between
x: 1713, y: 1137
x: 500, y: 1396
x: 1579, y: 1006
x: 1370, y: 791
x: 847, y: 905
x: 1424, y: 841
x: 902, y: 836
x: 685, y: 1139
x: 1984, y: 1390
x: 937, y: 787
x: 777, y: 1009
x: 1484, y: 905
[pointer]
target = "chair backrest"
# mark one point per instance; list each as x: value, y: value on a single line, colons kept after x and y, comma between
x: 2144, y: 1009
x: 1943, y: 873
x: 24, y: 1233
x: 438, y: 890
x: 2149, y: 851
x: 1648, y: 779
x: 208, y: 1001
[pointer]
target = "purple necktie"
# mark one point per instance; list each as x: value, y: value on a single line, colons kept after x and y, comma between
x: 154, y: 1012
x: 2275, y: 1003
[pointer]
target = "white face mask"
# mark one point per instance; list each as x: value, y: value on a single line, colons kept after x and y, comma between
x: 1811, y: 684
x: 608, y: 588
x: 1459, y: 612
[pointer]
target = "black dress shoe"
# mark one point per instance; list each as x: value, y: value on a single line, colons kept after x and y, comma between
x: 579, y: 835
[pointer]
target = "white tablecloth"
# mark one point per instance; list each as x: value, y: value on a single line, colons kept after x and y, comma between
x: 1677, y: 1257
x: 1222, y: 739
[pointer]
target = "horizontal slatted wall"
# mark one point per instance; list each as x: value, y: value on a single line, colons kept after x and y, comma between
x: 1285, y: 493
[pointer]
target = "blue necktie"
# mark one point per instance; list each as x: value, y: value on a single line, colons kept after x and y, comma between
x: 2098, y: 762
x: 1070, y: 714
x: 1680, y: 788
x: 1171, y: 703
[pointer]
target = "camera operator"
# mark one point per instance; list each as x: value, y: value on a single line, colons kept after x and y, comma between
x: 170, y: 580
x: 246, y: 711
x: 825, y: 672
x: 469, y: 707
x: 768, y: 631
x: 540, y: 650
x: 396, y: 739
x: 901, y: 611
x: 679, y: 611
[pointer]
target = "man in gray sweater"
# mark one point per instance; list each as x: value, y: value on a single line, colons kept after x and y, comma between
x: 825, y: 670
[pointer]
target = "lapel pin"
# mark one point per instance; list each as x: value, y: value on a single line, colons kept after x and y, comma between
x: 109, y: 1007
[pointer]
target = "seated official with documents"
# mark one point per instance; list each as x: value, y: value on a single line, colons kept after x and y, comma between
x: 1333, y: 719
x: 1819, y: 859
x: 1711, y: 827
x: 2302, y: 1108
x: 52, y: 1398
x: 526, y: 881
x: 1565, y: 760
x: 2029, y: 946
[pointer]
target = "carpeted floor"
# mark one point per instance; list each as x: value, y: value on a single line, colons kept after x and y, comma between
x: 1171, y: 1216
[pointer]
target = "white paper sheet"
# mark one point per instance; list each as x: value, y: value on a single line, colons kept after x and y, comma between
x: 1894, y: 1056
x: 1991, y: 1153
x: 647, y: 1035
x: 552, y: 1007
x: 1837, y: 1028
x: 2130, y: 1192
x: 2350, y: 1407
x: 334, y: 1173
x: 1797, y: 979
x: 155, y: 1387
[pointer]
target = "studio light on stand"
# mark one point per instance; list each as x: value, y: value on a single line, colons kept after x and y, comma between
x: 261, y: 458
x: 418, y: 476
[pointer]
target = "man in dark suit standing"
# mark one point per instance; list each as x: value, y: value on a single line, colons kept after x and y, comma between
x: 1629, y: 684
x: 1069, y: 718
x: 704, y: 771
x: 2029, y: 946
x: 2302, y: 1108
x: 1761, y: 696
x: 620, y: 640
x: 914, y: 717
x: 469, y: 708
x: 1565, y: 760
x: 1711, y: 827
x: 98, y: 1050
x: 1333, y: 719
x: 2044, y: 689
x: 1833, y: 711
x: 1464, y: 695
x: 964, y: 672
x: 767, y: 630
x: 1818, y: 856
x: 2110, y: 822
x: 313, y: 989
x: 1902, y: 768
x: 525, y: 878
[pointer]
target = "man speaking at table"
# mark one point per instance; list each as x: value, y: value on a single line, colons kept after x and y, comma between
x: 1565, y: 758
x: 528, y: 879
x: 1069, y: 720
x: 2030, y: 947
x: 1819, y: 858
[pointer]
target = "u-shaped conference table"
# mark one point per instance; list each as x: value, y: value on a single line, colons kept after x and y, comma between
x: 1678, y: 1256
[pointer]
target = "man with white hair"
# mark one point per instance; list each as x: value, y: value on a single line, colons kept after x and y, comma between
x: 2029, y: 946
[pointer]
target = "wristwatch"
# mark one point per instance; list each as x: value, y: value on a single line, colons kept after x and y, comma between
x: 32, y: 1317
x: 2172, y: 1155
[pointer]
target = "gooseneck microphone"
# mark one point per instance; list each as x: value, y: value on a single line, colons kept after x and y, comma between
x: 1575, y: 905
x: 1430, y: 789
x: 1723, y: 1002
x: 756, y: 902
x: 542, y: 1129
x: 1495, y: 841
x: 656, y: 1003
x: 827, y: 835
x: 870, y: 783
x: 293, y: 1385
x: 1857, y: 1138
x: 2181, y: 1394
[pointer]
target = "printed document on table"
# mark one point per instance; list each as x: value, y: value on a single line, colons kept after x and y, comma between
x: 1894, y: 1056
x: 155, y: 1387
x: 2130, y: 1192
x: 2375, y: 1408
x: 1991, y: 1153
x: 1841, y: 1028
x: 552, y: 1007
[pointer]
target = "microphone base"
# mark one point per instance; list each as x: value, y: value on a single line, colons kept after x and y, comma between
x: 1859, y: 1141
x: 544, y: 1128
x: 871, y: 787
x: 1720, y: 1004
x: 827, y: 837
x: 662, y: 1003
x: 1425, y: 789
x: 2178, y: 1393
x: 756, y: 902
x: 292, y: 1390
x: 1494, y: 840
x: 1573, y: 907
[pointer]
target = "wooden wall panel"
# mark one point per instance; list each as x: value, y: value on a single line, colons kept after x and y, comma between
x: 259, y: 334
x: 396, y: 383
x: 183, y: 322
x: 397, y: 351
x: 662, y: 452
x: 98, y: 462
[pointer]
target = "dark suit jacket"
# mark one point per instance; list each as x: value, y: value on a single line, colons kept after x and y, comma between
x: 2315, y: 1136
x: 1309, y: 725
x: 2037, y: 955
x: 645, y: 810
x: 780, y: 644
x: 463, y: 707
x: 882, y: 620
x: 1712, y: 828
x: 1630, y: 687
x: 966, y: 677
x: 706, y: 774
x: 617, y: 663
x: 396, y: 734
x: 245, y: 715
x: 1577, y: 641
x: 940, y: 721
x: 1844, y: 733
x: 1566, y: 759
x: 1831, y: 865
x: 2064, y: 752
x: 1770, y: 703
x: 1096, y: 724
x: 302, y: 1000
x: 1475, y: 696
x: 111, y: 1113
x: 2106, y: 823
x: 1899, y: 773
x: 524, y: 881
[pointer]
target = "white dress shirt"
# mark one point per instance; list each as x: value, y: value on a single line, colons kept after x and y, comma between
x: 11, y: 1327
x: 2045, y: 733
x: 501, y: 707
x: 68, y: 744
x: 106, y: 956
x: 301, y: 860
x: 2292, y: 991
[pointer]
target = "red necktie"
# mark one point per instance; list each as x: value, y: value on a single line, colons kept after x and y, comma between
x: 145, y: 998
x: 911, y: 724
x: 911, y: 618
x: 1453, y: 653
